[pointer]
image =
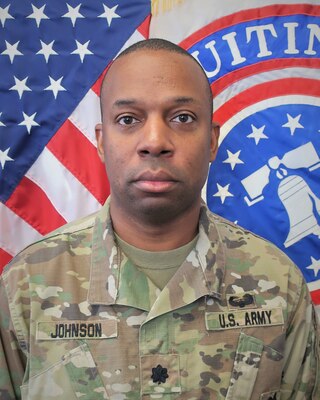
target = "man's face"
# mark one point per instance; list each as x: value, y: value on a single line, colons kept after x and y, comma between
x: 156, y: 138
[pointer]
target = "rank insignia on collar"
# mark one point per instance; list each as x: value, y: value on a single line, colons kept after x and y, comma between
x: 159, y: 374
x: 241, y: 300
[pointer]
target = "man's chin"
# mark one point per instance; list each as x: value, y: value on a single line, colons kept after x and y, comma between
x: 159, y: 209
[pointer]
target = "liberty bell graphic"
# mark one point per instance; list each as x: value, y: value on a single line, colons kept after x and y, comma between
x: 300, y: 202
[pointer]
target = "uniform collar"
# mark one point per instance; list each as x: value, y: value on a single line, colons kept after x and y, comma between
x: 114, y: 280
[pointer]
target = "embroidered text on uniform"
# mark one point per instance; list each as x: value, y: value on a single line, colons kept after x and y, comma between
x: 77, y: 330
x: 244, y: 318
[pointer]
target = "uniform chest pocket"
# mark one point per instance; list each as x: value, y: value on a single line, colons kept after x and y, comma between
x: 256, y: 372
x: 74, y: 376
x: 246, y: 367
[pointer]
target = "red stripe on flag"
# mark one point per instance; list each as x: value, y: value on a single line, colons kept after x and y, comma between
x: 80, y: 157
x: 4, y: 259
x: 31, y: 203
x: 281, y: 87
x: 145, y: 26
x: 277, y: 10
x: 315, y: 296
x: 220, y: 84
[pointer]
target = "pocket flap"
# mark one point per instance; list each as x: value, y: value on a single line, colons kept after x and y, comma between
x: 245, y: 368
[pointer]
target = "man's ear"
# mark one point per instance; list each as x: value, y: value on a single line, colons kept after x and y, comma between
x: 99, y: 137
x: 215, y: 132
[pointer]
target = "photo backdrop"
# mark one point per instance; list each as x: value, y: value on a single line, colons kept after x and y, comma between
x: 262, y: 61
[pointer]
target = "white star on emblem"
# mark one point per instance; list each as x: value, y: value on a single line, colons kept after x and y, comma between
x: 315, y: 266
x: 233, y: 159
x: 257, y: 134
x: 1, y: 123
x: 47, y: 50
x: 223, y: 192
x: 12, y: 51
x: 293, y: 123
x: 4, y: 15
x: 73, y: 13
x: 55, y: 86
x: 20, y: 86
x: 29, y: 121
x: 4, y: 157
x: 38, y: 14
x: 82, y: 50
x: 109, y: 13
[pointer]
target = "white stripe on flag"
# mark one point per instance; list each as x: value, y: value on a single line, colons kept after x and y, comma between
x: 12, y: 240
x: 68, y: 196
x: 87, y: 115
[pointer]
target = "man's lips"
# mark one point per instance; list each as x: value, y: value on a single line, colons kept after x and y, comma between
x: 155, y: 182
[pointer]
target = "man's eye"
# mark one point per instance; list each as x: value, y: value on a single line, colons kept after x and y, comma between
x: 127, y: 120
x: 183, y: 118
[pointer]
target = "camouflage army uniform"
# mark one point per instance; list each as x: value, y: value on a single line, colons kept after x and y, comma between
x: 78, y: 320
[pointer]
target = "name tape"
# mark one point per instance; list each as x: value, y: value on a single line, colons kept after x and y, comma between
x: 244, y: 318
x: 102, y: 329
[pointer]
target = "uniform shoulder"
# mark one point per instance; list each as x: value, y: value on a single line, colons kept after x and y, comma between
x: 52, y: 244
x: 238, y: 240
x: 230, y: 230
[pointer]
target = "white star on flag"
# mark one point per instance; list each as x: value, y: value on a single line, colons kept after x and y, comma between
x: 73, y: 13
x: 55, y: 86
x: 4, y: 157
x: 223, y: 192
x: 29, y: 121
x: 12, y: 51
x: 257, y: 134
x: 109, y: 13
x: 47, y: 50
x: 233, y: 159
x: 20, y: 86
x: 4, y: 15
x: 38, y: 14
x: 293, y: 123
x: 1, y: 123
x: 82, y: 50
x: 315, y: 266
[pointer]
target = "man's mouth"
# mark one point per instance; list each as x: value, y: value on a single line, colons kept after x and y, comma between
x: 155, y: 182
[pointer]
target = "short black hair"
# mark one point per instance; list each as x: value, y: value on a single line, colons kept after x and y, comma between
x: 156, y: 44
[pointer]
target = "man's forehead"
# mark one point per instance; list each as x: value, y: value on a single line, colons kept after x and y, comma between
x: 125, y: 62
x: 163, y: 67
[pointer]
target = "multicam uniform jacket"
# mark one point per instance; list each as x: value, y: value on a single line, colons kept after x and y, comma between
x: 78, y: 320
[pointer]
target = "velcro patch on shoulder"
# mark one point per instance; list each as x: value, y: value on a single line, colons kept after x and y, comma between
x: 244, y: 318
x: 57, y: 330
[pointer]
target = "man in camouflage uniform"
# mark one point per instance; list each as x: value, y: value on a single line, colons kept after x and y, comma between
x: 154, y: 296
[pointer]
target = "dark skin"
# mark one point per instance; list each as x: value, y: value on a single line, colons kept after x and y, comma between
x: 156, y: 140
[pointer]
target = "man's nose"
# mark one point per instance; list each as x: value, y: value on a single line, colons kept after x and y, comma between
x: 156, y: 138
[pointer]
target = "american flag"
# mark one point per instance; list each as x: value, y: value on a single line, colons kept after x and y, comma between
x: 52, y: 58
x: 262, y: 60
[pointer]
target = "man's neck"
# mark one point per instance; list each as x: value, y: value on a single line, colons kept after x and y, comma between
x: 156, y: 237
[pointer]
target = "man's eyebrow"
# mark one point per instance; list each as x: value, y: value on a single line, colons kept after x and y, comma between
x: 184, y: 100
x: 124, y: 102
x: 177, y: 100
